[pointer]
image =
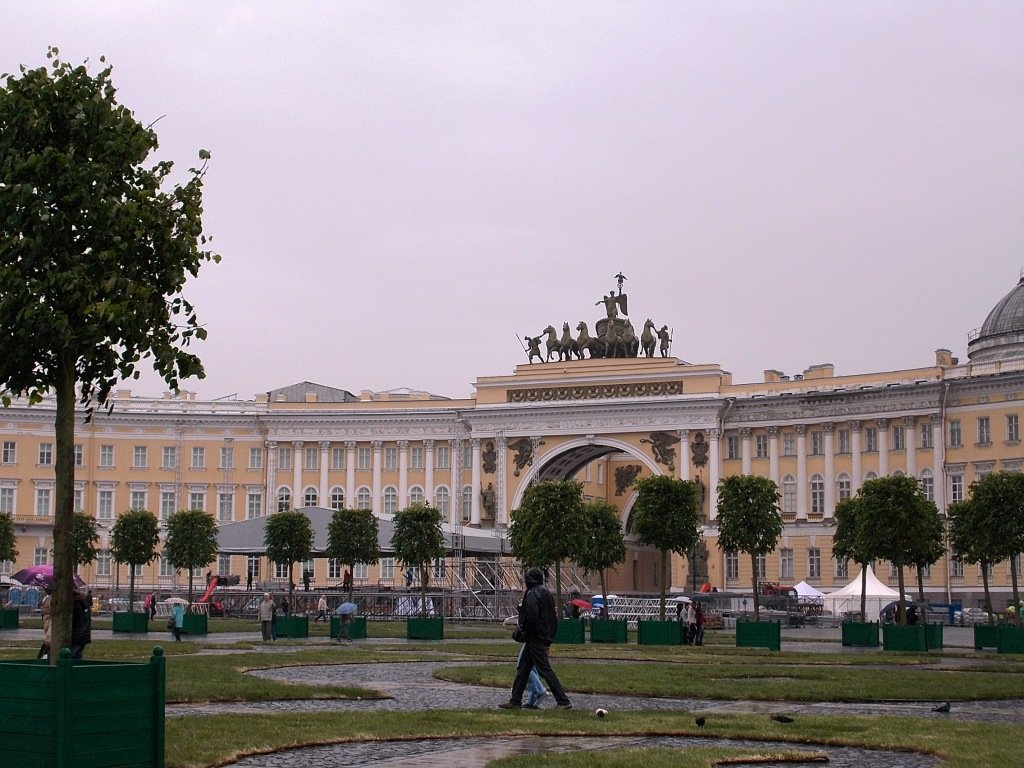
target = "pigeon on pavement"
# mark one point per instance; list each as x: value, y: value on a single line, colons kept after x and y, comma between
x: 943, y: 707
x: 700, y: 722
x: 782, y: 719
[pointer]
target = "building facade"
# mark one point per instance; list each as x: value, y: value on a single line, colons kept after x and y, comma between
x: 606, y: 422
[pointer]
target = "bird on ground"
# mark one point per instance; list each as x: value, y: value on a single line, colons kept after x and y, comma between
x: 700, y: 721
x: 782, y: 719
x: 943, y: 707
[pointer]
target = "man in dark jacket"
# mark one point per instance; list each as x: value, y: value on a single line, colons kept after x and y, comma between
x: 81, y: 625
x: 539, y: 620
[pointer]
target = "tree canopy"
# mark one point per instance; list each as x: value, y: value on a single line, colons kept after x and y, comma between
x: 749, y: 520
x: 133, y: 541
x: 8, y: 543
x: 604, y: 544
x: 973, y: 542
x: 353, y: 537
x: 417, y: 540
x: 94, y: 254
x: 998, y: 499
x: 86, y: 538
x: 288, y: 539
x: 666, y: 516
x: 848, y: 543
x: 190, y: 542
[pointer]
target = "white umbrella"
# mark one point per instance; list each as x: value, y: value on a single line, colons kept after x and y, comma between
x: 683, y: 599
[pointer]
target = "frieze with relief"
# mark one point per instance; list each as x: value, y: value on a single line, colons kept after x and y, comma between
x: 595, y: 392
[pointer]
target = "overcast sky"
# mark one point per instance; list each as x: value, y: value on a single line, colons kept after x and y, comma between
x: 401, y: 191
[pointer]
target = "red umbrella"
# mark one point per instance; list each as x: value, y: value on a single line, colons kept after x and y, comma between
x: 41, y: 576
x: 580, y: 604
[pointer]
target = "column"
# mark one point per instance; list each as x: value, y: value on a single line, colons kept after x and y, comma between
x: 801, y: 471
x: 938, y: 474
x: 883, y: 447
x: 403, y: 474
x: 271, y: 502
x: 910, y: 441
x: 325, y: 446
x: 296, y: 474
x: 855, y: 455
x: 684, y: 455
x: 375, y: 502
x: 773, y: 454
x: 501, y: 506
x: 455, y: 482
x: 830, y: 469
x: 474, y: 513
x: 714, y: 471
x: 745, y: 450
x: 428, y: 477
x: 350, y: 474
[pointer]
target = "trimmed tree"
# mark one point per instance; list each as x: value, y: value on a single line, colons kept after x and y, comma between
x: 96, y: 255
x: 971, y: 537
x: 86, y: 538
x: 353, y: 537
x: 133, y: 541
x: 8, y: 543
x: 288, y: 539
x: 547, y: 527
x: 666, y: 516
x: 190, y: 542
x: 999, y: 500
x: 848, y: 544
x: 418, y: 539
x: 604, y: 544
x: 749, y: 520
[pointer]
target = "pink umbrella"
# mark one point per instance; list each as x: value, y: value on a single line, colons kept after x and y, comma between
x: 42, y: 576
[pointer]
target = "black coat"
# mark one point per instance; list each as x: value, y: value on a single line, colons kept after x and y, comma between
x: 81, y: 622
x: 538, y: 616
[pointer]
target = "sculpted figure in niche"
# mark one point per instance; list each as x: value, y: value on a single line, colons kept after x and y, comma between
x: 488, y: 457
x: 489, y: 500
x: 699, y: 450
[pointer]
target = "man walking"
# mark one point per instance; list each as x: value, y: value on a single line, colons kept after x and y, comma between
x: 539, y: 620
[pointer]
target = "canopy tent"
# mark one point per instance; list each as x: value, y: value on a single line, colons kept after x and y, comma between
x: 808, y: 595
x: 847, y: 599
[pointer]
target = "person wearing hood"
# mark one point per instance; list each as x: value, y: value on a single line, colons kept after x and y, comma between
x: 538, y: 619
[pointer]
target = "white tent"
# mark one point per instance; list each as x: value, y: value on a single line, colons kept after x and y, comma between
x: 808, y: 595
x: 847, y: 599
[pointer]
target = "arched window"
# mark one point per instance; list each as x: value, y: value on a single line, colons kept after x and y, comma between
x: 789, y: 495
x: 415, y: 495
x: 284, y: 498
x: 928, y: 484
x: 390, y: 500
x: 442, y: 497
x: 310, y: 497
x: 363, y: 498
x: 337, y: 497
x: 897, y: 473
x: 845, y: 487
x: 467, y: 502
x: 870, y: 476
x: 817, y: 495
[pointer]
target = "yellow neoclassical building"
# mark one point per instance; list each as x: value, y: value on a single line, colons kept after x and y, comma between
x: 603, y: 420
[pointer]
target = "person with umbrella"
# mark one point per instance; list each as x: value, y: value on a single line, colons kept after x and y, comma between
x: 345, y: 611
x: 177, y: 620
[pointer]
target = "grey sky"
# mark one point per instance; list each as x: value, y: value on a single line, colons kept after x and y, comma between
x: 400, y: 190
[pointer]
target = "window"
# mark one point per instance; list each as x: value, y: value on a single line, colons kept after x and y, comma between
x: 255, y: 458
x: 76, y: 500
x: 928, y: 484
x: 956, y: 487
x: 789, y: 495
x: 224, y: 564
x: 363, y: 458
x: 337, y: 458
x: 786, y: 563
x: 814, y: 563
x: 43, y: 501
x: 467, y: 458
x: 197, y: 500
x: 415, y: 495
x: 139, y: 457
x: 467, y: 502
x: 416, y: 458
x: 390, y: 500
x: 817, y: 444
x: 441, y: 497
x: 6, y: 501
x: 841, y: 569
x: 337, y: 497
x: 310, y: 497
x: 984, y: 430
x: 387, y: 568
x: 280, y: 570
x: 788, y: 444
x: 252, y: 566
x: 45, y: 454
x: 79, y: 455
x: 817, y: 495
x: 442, y: 457
x: 363, y: 498
x: 198, y: 458
x: 105, y: 505
x: 762, y: 566
x: 39, y: 555
x: 226, y: 506
x: 284, y: 498
x: 844, y: 441
x: 391, y: 458
x: 168, y: 504
x: 139, y: 499
x: 166, y: 569
x: 871, y: 439
x: 845, y: 487
x: 284, y: 458
x: 227, y: 457
x: 1013, y: 428
x: 955, y: 436
x: 361, y: 571
x: 106, y: 456
x: 899, y: 442
x: 600, y: 473
x: 103, y: 561
x: 334, y: 568
x: 732, y: 565
x: 732, y: 447
x: 169, y: 457
x: 956, y: 564
x: 253, y: 504
x: 926, y: 436
x: 761, y: 446
x: 9, y: 452
x: 311, y: 460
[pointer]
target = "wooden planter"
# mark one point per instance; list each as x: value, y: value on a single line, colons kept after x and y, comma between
x: 986, y: 636
x: 862, y: 634
x: 910, y: 637
x: 933, y: 636
x: 1011, y: 639
x: 8, y: 618
x: 658, y: 632
x: 759, y: 634
x: 609, y: 631
x: 424, y: 628
x: 82, y: 713
x: 292, y: 626
x: 194, y: 624
x: 356, y: 627
x: 571, y: 632
x: 133, y: 623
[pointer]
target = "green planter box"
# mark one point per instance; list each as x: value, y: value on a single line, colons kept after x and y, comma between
x: 759, y: 634
x: 910, y: 637
x: 571, y: 632
x: 986, y: 636
x: 609, y: 631
x: 356, y: 627
x: 863, y: 634
x: 82, y: 713
x: 194, y: 624
x: 8, y: 618
x: 292, y: 626
x: 659, y: 632
x: 933, y: 636
x: 1011, y: 639
x: 133, y: 623
x: 424, y: 628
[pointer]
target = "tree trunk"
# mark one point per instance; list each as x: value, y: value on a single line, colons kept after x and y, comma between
x: 757, y: 602
x: 603, y: 614
x: 190, y: 586
x: 131, y: 587
x: 61, y: 598
x: 291, y: 589
x: 423, y: 588
x: 903, y: 595
x: 988, y: 595
x: 863, y: 592
x: 558, y: 586
x: 664, y: 579
x: 1016, y: 592
x: 920, y: 584
x: 351, y: 579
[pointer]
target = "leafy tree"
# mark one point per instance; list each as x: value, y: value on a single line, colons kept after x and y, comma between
x: 604, y: 545
x: 999, y: 499
x: 547, y: 528
x: 898, y: 524
x: 133, y: 541
x: 666, y: 516
x: 190, y: 542
x: 418, y: 538
x: 8, y: 543
x: 353, y: 537
x: 95, y: 254
x: 288, y: 538
x: 848, y: 544
x: 86, y: 538
x: 749, y: 520
x: 971, y: 537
